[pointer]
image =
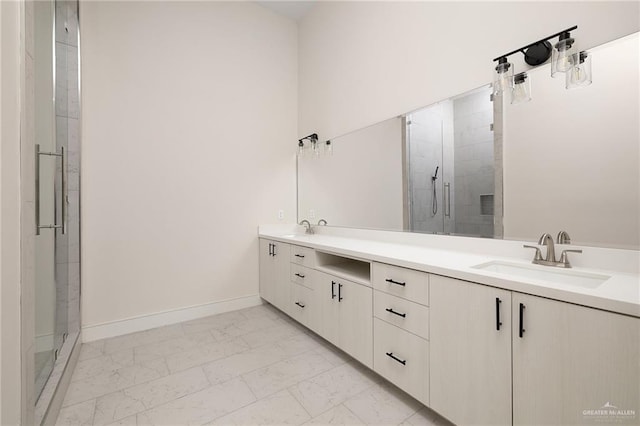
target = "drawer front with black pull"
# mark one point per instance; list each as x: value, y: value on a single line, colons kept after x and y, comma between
x: 302, y: 275
x: 402, y: 358
x: 304, y: 256
x: 403, y: 313
x: 402, y: 282
x: 304, y: 308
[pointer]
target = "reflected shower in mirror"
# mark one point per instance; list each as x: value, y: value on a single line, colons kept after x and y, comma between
x: 450, y: 166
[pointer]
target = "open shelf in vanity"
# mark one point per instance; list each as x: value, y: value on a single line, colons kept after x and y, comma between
x: 356, y: 270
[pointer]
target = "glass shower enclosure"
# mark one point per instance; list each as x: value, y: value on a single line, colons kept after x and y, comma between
x: 56, y: 206
x: 449, y: 150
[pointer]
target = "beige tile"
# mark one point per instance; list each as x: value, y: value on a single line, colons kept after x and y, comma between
x: 298, y: 343
x: 142, y: 338
x: 91, y: 350
x: 426, y: 417
x: 205, y: 353
x: 171, y: 346
x: 332, y: 354
x: 281, y: 375
x: 326, y: 390
x: 382, y: 404
x: 165, y: 389
x: 339, y: 415
x: 200, y: 407
x: 78, y: 414
x: 227, y: 368
x: 102, y: 364
x: 113, y: 381
x: 115, y: 406
x: 269, y: 335
x: 278, y: 409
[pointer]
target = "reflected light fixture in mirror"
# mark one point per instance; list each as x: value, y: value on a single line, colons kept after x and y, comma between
x: 310, y: 144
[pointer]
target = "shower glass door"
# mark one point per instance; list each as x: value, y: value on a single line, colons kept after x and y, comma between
x: 51, y: 274
x: 450, y: 166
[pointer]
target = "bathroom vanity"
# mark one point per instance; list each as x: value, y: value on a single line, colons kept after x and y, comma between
x: 478, y: 343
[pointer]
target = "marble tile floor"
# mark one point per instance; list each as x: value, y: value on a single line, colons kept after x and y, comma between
x: 252, y: 366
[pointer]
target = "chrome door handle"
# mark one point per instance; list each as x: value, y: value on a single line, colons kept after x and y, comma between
x: 63, y: 190
x: 447, y: 194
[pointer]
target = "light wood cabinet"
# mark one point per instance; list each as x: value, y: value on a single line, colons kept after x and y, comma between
x: 347, y: 316
x: 569, y: 361
x: 470, y: 352
x: 275, y: 284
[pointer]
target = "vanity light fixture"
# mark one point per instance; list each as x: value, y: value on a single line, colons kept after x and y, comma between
x: 308, y: 142
x: 521, y: 90
x: 580, y: 73
x: 577, y: 66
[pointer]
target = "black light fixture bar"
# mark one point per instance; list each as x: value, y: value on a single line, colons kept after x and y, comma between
x: 311, y: 137
x: 522, y: 49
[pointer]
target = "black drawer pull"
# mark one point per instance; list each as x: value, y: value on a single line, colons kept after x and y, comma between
x: 299, y: 275
x: 498, y: 322
x: 521, y: 325
x: 340, y: 292
x: 401, y: 361
x: 333, y: 289
x: 300, y: 304
x: 396, y: 313
x: 299, y: 255
x: 389, y: 280
x: 270, y: 249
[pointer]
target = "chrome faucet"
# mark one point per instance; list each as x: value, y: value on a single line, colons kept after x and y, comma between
x: 550, y: 258
x: 308, y: 229
x: 322, y: 222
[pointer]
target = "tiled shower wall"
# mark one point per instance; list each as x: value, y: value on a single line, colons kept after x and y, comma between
x: 430, y: 144
x: 474, y: 162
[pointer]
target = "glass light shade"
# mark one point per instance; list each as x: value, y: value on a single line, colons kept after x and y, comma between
x: 300, y: 148
x: 502, y: 77
x: 561, y: 55
x: 328, y: 148
x: 521, y: 90
x: 579, y: 75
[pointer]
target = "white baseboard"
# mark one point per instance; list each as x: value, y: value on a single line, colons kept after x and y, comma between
x: 146, y: 322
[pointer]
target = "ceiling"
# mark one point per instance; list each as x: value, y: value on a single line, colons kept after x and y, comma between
x: 291, y: 9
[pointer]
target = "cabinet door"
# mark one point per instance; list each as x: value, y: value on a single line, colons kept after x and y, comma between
x: 356, y: 320
x: 326, y: 294
x: 570, y: 361
x: 267, y: 271
x: 470, y: 358
x: 282, y: 279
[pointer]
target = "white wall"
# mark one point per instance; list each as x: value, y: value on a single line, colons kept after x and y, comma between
x: 572, y: 157
x: 360, y: 185
x: 364, y: 62
x: 189, y: 138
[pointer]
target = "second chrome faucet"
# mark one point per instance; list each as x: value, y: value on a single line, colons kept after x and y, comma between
x: 550, y: 257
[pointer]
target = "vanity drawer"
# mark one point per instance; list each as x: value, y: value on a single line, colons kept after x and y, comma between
x: 302, y: 275
x: 304, y: 307
x: 400, y: 312
x: 402, y: 282
x: 402, y: 358
x: 303, y: 256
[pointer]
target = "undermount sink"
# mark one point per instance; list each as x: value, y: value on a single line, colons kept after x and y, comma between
x: 560, y: 276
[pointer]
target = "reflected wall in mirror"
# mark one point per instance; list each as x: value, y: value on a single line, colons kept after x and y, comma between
x: 570, y: 161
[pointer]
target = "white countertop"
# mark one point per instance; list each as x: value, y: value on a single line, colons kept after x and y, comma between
x: 620, y: 293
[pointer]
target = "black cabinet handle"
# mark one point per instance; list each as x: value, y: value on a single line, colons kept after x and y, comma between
x: 401, y: 361
x: 299, y: 275
x: 274, y: 250
x: 396, y: 313
x: 300, y: 304
x: 389, y: 280
x: 270, y: 249
x: 521, y: 326
x: 498, y: 322
x: 340, y: 292
x: 299, y: 255
x: 333, y: 289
